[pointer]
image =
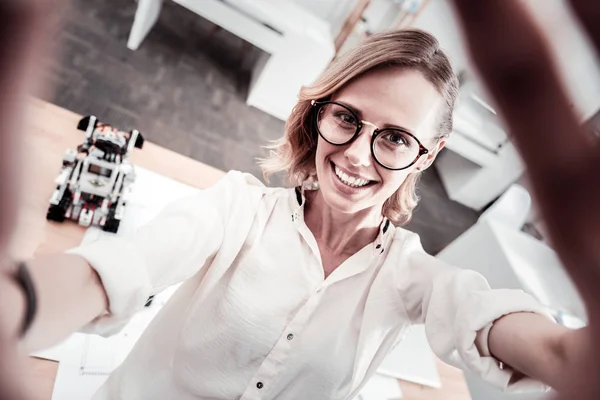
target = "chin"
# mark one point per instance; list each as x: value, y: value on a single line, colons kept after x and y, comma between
x: 338, y: 203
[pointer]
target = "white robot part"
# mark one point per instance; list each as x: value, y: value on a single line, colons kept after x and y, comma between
x: 95, y: 179
x: 120, y: 210
x: 91, y: 127
x: 96, y: 153
x: 97, y: 217
x: 85, y: 217
x: 63, y: 177
x: 70, y: 156
x: 134, y: 135
x: 55, y: 199
x: 104, y: 207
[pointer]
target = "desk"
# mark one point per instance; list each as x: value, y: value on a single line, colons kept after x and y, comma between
x: 50, y: 130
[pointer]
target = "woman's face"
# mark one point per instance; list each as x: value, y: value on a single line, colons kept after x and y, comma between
x: 387, y: 98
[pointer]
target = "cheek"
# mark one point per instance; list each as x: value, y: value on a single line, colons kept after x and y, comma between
x: 324, y: 150
x: 319, y: 160
x: 391, y: 180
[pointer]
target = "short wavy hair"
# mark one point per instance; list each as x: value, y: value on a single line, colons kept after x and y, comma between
x: 295, y: 152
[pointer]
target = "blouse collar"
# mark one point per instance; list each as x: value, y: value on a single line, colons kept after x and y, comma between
x: 298, y: 199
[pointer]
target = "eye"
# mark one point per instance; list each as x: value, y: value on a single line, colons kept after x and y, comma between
x: 396, y: 139
x: 345, y: 117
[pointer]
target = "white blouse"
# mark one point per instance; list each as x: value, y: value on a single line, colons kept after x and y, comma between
x: 255, y: 318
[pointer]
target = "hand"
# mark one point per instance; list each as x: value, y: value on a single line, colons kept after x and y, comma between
x: 563, y: 161
x: 24, y: 34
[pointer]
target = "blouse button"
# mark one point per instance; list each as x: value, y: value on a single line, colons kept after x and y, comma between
x: 290, y: 336
x: 259, y: 385
x: 378, y: 246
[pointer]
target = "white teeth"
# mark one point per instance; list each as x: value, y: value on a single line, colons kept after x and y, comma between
x: 349, y: 180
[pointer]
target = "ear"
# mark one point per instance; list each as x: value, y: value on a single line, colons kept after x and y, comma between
x: 429, y: 158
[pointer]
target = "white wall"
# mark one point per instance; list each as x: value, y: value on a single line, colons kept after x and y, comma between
x: 438, y: 18
x: 380, y: 14
x: 333, y: 11
x: 573, y: 53
x: 577, y: 63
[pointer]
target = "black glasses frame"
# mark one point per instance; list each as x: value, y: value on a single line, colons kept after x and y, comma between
x: 319, y: 104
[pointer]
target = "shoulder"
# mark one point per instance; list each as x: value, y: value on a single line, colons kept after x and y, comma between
x: 405, y: 242
x: 244, y: 181
x: 408, y: 255
x: 241, y: 189
x: 416, y: 272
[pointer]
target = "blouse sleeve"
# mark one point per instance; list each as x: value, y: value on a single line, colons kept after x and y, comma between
x: 169, y: 249
x: 458, y: 309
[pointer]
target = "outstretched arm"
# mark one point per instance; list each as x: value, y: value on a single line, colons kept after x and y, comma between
x: 562, y: 160
x: 25, y: 30
x: 536, y: 347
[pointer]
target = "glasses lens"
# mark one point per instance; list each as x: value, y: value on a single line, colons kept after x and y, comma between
x: 336, y: 123
x: 395, y: 149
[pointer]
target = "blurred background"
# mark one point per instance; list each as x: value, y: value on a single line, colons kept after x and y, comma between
x: 188, y: 83
x: 214, y: 81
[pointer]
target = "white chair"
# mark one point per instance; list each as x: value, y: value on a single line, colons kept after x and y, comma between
x: 511, y: 209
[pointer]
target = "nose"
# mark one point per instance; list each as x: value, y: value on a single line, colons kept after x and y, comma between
x: 358, y: 152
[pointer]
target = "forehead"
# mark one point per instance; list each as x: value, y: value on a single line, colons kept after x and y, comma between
x: 395, y: 96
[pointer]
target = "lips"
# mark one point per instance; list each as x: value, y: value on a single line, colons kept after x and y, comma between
x: 347, y: 184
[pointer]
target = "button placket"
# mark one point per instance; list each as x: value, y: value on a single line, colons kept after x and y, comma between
x: 269, y: 370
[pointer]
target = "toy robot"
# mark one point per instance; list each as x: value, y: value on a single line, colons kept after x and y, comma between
x: 95, y: 179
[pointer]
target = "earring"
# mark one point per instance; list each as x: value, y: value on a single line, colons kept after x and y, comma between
x: 311, y: 183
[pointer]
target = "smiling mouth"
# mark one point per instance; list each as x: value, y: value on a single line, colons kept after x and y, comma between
x: 356, y: 183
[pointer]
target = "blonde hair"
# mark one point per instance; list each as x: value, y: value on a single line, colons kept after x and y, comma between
x: 409, y: 48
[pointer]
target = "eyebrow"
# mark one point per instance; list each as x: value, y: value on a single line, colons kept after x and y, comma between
x: 385, y: 126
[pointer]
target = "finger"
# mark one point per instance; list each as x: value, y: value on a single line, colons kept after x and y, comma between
x: 588, y: 12
x: 24, y: 33
x: 515, y: 63
x: 11, y: 366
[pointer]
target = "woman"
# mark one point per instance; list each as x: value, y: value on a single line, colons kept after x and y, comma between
x: 300, y: 293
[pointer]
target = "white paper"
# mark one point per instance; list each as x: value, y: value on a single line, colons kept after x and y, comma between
x: 58, y: 352
x: 412, y: 360
x: 381, y: 387
x: 150, y: 193
x: 73, y: 382
x: 86, y: 360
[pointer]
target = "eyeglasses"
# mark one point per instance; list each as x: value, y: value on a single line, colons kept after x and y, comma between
x: 392, y: 148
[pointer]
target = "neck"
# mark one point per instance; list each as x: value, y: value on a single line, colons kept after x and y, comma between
x: 341, y: 233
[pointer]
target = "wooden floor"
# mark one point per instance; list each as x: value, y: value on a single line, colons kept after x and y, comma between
x: 185, y: 89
